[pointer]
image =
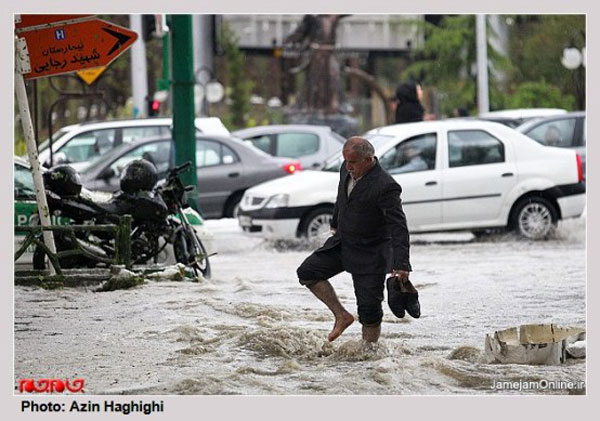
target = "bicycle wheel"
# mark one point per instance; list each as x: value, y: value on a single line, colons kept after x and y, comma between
x: 191, y: 253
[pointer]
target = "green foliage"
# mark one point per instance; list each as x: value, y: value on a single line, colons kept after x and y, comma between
x: 275, y: 116
x: 536, y: 43
x: 539, y: 95
x: 447, y: 59
x: 20, y: 148
x: 532, y: 75
x: 240, y: 87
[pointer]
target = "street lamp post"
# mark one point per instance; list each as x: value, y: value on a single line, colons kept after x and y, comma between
x: 574, y: 59
x: 483, y: 95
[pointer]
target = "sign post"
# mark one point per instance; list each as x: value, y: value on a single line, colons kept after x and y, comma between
x: 40, y: 193
x: 48, y: 45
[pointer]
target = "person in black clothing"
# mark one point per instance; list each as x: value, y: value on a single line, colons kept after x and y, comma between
x: 370, y: 238
x: 408, y: 103
x: 460, y: 112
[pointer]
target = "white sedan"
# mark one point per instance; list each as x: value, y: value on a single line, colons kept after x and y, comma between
x: 455, y: 175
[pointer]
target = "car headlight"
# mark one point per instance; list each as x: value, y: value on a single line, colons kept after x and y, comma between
x: 278, y: 201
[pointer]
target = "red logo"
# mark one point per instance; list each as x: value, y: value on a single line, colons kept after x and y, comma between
x: 50, y: 385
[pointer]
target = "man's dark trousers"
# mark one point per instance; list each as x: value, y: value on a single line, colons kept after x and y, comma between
x: 368, y: 288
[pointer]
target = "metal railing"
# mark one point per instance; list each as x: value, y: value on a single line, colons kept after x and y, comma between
x: 122, y: 233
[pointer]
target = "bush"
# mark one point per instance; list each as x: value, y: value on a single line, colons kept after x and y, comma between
x: 20, y: 147
x: 539, y: 95
x: 19, y: 140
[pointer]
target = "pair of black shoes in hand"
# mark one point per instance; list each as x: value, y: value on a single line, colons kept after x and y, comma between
x: 403, y: 297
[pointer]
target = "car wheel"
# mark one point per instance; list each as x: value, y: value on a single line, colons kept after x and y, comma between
x: 534, y: 218
x: 233, y: 205
x: 316, y: 223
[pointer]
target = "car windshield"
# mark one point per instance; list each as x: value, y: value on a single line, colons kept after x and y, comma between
x: 251, y: 146
x: 23, y: 182
x: 55, y: 137
x: 334, y: 163
x: 94, y: 161
x: 100, y: 160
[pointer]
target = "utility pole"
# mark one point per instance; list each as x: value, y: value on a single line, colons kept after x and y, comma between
x: 164, y: 83
x: 203, y: 50
x: 483, y: 97
x: 139, y: 72
x: 184, y: 130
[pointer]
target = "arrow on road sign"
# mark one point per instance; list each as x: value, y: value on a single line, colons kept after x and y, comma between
x: 121, y: 39
x: 75, y: 46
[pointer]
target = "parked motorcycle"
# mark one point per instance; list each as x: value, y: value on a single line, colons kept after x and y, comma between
x: 156, y: 208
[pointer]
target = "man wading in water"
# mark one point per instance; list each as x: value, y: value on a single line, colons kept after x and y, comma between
x: 369, y: 239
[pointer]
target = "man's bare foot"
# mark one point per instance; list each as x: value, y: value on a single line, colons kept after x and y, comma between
x: 340, y: 325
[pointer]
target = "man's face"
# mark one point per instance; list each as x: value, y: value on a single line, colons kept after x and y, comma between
x: 410, y: 152
x: 356, y: 166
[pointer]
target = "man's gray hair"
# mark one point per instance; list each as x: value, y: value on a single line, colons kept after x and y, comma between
x: 360, y: 145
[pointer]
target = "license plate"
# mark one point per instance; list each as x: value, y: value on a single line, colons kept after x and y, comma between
x: 245, y: 221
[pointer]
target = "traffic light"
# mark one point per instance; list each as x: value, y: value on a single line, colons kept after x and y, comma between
x: 148, y: 26
x: 153, y: 107
x: 153, y: 26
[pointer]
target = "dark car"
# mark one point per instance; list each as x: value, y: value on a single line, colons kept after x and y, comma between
x: 226, y: 167
x: 562, y: 131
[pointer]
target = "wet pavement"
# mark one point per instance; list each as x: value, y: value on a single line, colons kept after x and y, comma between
x: 252, y: 329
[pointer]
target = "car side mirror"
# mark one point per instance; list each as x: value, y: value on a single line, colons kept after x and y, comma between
x: 107, y: 174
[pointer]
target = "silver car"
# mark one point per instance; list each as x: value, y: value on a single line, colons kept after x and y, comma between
x: 226, y: 167
x: 562, y: 131
x: 310, y: 144
x: 78, y: 144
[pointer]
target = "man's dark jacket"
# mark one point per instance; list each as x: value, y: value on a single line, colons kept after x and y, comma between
x: 370, y: 224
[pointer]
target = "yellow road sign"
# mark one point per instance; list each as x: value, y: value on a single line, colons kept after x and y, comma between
x: 90, y: 75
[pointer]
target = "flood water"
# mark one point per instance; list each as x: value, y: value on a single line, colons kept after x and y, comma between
x: 253, y: 330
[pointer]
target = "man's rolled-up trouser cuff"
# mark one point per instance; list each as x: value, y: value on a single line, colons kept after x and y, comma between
x: 308, y: 283
x: 308, y: 278
x: 319, y: 266
x: 370, y: 316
